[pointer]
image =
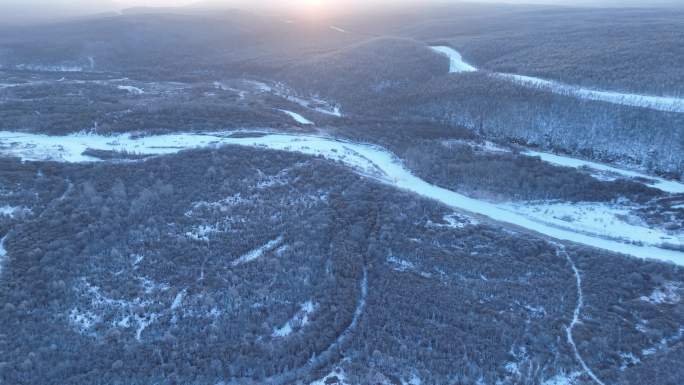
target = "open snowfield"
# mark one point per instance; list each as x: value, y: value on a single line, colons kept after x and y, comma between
x: 660, y: 103
x: 368, y: 160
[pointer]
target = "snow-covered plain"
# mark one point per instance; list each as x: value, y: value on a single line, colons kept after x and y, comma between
x: 660, y: 103
x: 366, y: 159
x: 665, y: 185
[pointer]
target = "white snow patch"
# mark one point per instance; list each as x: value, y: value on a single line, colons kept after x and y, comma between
x: 281, y: 250
x: 400, y: 264
x: 564, y: 379
x: 260, y: 86
x: 368, y: 160
x: 224, y: 205
x: 132, y: 90
x: 178, y: 300
x: 10, y: 211
x: 335, y: 374
x: 457, y: 64
x: 664, y: 343
x: 665, y: 185
x: 258, y: 252
x: 628, y: 359
x: 414, y: 380
x: 298, y: 118
x: 137, y: 258
x: 202, y: 232
x: 122, y: 313
x: 456, y: 221
x: 667, y: 294
x: 83, y: 321
x: 512, y: 368
x: 298, y: 321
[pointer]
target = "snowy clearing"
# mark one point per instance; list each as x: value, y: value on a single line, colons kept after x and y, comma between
x: 299, y: 320
x: 669, y: 186
x: 667, y: 294
x: 336, y: 377
x: 258, y: 252
x: 660, y: 103
x: 10, y: 211
x: 298, y: 118
x: 368, y: 160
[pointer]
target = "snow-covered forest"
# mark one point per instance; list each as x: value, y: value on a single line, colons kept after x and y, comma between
x: 423, y: 194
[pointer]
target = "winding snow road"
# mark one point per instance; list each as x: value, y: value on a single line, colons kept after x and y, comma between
x: 366, y: 159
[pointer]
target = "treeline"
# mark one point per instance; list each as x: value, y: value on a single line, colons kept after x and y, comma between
x: 59, y: 108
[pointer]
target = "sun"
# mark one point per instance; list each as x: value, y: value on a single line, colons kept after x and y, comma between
x: 314, y: 9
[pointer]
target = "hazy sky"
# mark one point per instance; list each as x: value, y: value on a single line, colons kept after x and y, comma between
x: 32, y: 10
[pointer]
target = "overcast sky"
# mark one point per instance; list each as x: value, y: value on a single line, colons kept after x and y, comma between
x: 20, y: 11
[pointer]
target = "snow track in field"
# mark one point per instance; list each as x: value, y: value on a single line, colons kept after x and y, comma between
x: 660, y: 103
x: 368, y: 160
x: 576, y: 315
x: 258, y: 252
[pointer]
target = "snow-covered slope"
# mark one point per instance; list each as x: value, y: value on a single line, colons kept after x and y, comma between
x: 368, y: 160
x: 660, y: 103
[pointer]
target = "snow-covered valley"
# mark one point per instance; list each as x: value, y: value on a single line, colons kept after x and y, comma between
x: 599, y: 226
x: 660, y: 103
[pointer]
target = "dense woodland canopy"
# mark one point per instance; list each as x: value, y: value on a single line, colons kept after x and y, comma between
x: 247, y: 266
x: 106, y: 254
